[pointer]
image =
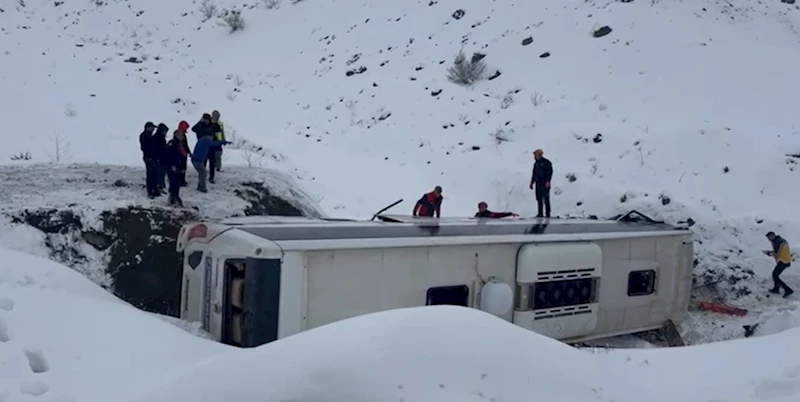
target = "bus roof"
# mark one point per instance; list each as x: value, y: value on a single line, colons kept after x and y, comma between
x: 396, y: 226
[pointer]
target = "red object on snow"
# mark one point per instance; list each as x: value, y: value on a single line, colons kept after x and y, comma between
x: 722, y: 309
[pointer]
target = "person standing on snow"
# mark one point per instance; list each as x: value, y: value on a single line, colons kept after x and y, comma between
x: 185, y: 151
x: 159, y: 150
x: 199, y: 158
x: 540, y: 181
x: 783, y: 259
x: 484, y: 212
x: 175, y: 163
x: 429, y: 204
x: 215, y: 157
x: 150, y: 163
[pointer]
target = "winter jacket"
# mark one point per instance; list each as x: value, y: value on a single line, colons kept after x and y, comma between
x: 202, y: 148
x: 184, y: 149
x: 146, y: 145
x: 489, y: 214
x: 159, y: 142
x: 203, y: 129
x: 429, y: 204
x: 173, y: 156
x: 542, y: 172
x: 781, y: 249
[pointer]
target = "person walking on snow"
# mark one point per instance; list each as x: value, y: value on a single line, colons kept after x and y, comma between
x: 484, y: 212
x: 215, y: 158
x: 783, y: 259
x: 150, y: 163
x: 199, y: 158
x: 185, y: 151
x: 429, y: 204
x: 540, y: 182
x: 175, y: 162
x: 159, y: 149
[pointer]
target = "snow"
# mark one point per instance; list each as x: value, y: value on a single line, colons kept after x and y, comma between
x: 63, y: 338
x: 692, y: 101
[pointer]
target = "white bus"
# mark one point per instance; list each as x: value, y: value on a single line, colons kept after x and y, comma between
x: 253, y: 280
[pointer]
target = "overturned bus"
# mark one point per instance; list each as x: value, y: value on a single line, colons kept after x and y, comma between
x: 253, y: 280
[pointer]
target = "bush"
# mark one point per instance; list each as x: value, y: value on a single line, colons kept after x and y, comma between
x: 270, y: 4
x: 208, y: 10
x: 233, y: 20
x: 465, y: 72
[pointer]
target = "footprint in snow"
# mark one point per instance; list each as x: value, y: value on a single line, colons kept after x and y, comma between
x: 37, y: 361
x: 6, y: 304
x: 34, y: 388
x: 4, y: 337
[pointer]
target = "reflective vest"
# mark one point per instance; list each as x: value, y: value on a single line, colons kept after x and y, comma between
x: 220, y: 135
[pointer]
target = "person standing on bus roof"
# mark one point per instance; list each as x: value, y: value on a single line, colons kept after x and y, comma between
x: 540, y: 181
x: 484, y: 212
x: 429, y: 204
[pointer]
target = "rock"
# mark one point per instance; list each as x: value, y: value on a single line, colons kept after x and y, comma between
x: 602, y: 31
x: 495, y: 75
x: 476, y: 57
x: 726, y: 169
x: 49, y: 220
x: 527, y: 41
x: 134, y: 60
x: 458, y: 14
x: 355, y: 71
x: 436, y: 92
x: 598, y: 138
x: 120, y: 183
x: 96, y: 239
x: 787, y: 1
x: 665, y: 200
x: 544, y: 55
x: 476, y: 148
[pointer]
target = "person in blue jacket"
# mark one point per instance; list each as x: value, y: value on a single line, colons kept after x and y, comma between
x: 199, y: 157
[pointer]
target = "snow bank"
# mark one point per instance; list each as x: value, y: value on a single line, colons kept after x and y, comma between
x: 98, y: 220
x: 458, y: 354
x: 63, y: 338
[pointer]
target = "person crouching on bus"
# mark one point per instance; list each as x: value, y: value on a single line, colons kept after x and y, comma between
x: 430, y: 204
x: 484, y: 212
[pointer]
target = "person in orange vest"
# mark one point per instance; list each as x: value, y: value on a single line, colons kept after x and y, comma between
x: 484, y: 212
x: 430, y: 204
x: 783, y: 259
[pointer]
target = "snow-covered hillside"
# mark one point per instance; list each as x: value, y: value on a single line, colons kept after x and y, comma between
x: 684, y: 110
x: 64, y: 339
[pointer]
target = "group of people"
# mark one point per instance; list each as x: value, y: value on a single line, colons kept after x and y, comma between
x: 430, y: 204
x: 169, y: 159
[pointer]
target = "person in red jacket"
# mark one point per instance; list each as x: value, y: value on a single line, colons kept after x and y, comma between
x: 484, y: 212
x: 430, y: 203
x: 184, y: 149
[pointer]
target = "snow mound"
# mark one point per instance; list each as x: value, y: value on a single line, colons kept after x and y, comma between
x: 63, y: 338
x: 446, y: 353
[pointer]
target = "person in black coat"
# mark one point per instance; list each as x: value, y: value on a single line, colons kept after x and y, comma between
x: 540, y: 181
x: 149, y: 158
x: 205, y: 127
x: 159, y: 149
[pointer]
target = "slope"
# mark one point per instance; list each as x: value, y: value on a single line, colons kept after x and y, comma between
x: 691, y: 101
